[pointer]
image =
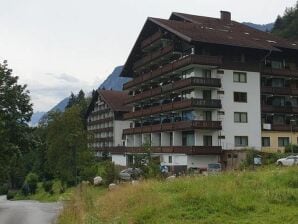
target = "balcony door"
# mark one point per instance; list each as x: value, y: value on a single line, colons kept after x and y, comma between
x: 207, y: 94
x: 208, y: 115
x: 207, y: 140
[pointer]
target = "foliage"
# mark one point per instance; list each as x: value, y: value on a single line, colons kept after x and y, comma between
x: 287, y: 25
x: 15, y: 112
x: 67, y: 153
x: 31, y: 181
x: 268, y: 195
x: 108, y: 172
x: 48, y: 186
x: 291, y: 148
x: 11, y: 194
x: 3, y: 189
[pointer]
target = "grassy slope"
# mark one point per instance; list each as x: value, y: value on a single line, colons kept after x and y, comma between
x: 265, y: 196
x: 43, y: 196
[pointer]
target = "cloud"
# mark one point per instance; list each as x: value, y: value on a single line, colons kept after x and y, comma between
x: 50, y: 89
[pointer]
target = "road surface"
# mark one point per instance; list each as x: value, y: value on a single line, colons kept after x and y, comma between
x: 27, y: 212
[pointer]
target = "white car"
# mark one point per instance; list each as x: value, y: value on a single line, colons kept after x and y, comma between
x: 288, y: 161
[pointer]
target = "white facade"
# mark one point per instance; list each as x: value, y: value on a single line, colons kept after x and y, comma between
x: 118, y: 127
x: 119, y: 159
x: 252, y: 128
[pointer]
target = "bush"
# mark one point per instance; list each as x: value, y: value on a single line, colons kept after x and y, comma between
x: 48, y: 186
x: 3, y: 189
x: 108, y: 172
x: 289, y: 148
x: 32, y: 180
x: 25, y: 189
x: 11, y: 194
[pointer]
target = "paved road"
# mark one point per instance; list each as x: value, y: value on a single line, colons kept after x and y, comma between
x: 27, y: 212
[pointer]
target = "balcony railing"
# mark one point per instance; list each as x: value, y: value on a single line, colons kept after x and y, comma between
x: 280, y: 72
x: 181, y: 125
x: 190, y: 150
x: 184, y: 83
x: 153, y: 56
x: 183, y: 62
x: 99, y: 130
x: 284, y: 127
x: 275, y: 109
x: 279, y: 90
x: 178, y: 105
x: 151, y: 39
x: 100, y: 121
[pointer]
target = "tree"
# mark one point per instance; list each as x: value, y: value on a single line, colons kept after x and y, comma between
x: 15, y: 112
x: 68, y: 154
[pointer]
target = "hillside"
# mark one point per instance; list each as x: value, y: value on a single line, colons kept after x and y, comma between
x: 263, y: 27
x: 269, y: 195
x: 287, y: 25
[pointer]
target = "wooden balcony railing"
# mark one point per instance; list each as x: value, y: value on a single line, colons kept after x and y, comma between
x: 183, y: 62
x: 153, y: 56
x: 190, y: 150
x: 178, y: 105
x: 100, y: 121
x: 280, y: 72
x: 151, y: 39
x: 99, y: 130
x: 181, y: 125
x: 274, y: 109
x: 279, y: 90
x: 284, y: 127
x: 184, y: 83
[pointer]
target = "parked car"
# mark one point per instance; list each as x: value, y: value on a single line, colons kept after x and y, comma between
x: 288, y: 161
x: 130, y: 174
x: 214, y: 168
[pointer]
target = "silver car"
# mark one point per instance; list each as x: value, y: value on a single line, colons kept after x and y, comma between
x: 288, y: 161
x: 214, y: 168
x: 130, y: 174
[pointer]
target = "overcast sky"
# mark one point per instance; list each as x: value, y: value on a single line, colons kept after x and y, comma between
x: 59, y: 46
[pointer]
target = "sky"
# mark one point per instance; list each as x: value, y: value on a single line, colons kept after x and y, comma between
x: 59, y: 46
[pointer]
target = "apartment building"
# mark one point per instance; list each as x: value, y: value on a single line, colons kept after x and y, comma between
x: 204, y: 85
x: 105, y: 122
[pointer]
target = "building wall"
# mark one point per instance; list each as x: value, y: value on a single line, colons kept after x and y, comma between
x: 273, y: 135
x: 119, y: 159
x: 201, y: 161
x: 252, y: 129
x: 177, y: 159
x: 118, y: 129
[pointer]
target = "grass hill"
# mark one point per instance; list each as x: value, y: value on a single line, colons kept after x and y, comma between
x: 269, y: 195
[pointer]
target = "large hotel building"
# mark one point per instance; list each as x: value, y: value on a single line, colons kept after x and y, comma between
x: 204, y: 86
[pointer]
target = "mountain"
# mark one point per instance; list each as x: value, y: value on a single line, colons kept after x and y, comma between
x: 263, y: 27
x: 113, y: 81
x: 35, y: 118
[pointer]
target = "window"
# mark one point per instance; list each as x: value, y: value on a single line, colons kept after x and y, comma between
x: 207, y: 140
x: 240, y: 97
x: 170, y: 159
x: 221, y: 137
x: 220, y: 72
x: 188, y: 138
x: 220, y: 92
x: 283, y: 141
x: 240, y: 77
x: 240, y: 117
x: 207, y: 94
x: 265, y: 141
x: 241, y: 141
x: 208, y: 115
x: 220, y: 112
x: 276, y: 64
x: 207, y: 73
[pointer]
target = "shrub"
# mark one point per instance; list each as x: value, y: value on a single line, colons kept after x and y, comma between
x: 25, y: 189
x: 108, y: 172
x: 32, y: 180
x: 48, y: 186
x: 11, y: 194
x: 291, y: 147
x: 3, y: 189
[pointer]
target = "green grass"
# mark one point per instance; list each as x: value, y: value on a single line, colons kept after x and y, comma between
x: 43, y: 196
x: 268, y: 195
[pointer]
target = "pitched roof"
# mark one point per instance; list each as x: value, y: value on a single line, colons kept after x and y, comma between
x: 213, y: 30
x: 115, y: 99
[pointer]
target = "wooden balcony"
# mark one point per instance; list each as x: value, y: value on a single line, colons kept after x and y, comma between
x: 176, y: 126
x: 99, y: 112
x: 171, y: 67
x: 280, y: 72
x: 181, y: 84
x: 103, y: 139
x: 279, y: 90
x: 274, y: 109
x: 153, y: 56
x: 100, y: 121
x: 178, y: 105
x: 151, y: 39
x: 189, y: 150
x: 99, y: 130
x: 284, y: 127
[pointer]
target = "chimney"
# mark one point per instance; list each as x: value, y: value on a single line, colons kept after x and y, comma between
x: 225, y: 16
